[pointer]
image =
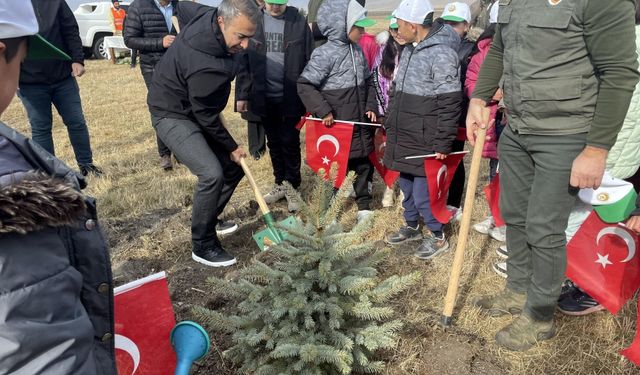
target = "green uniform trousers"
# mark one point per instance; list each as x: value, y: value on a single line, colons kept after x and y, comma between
x: 535, y: 201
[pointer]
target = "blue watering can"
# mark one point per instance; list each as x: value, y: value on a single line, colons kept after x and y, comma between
x: 191, y: 343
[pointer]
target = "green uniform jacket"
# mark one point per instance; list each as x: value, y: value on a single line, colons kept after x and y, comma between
x: 569, y: 66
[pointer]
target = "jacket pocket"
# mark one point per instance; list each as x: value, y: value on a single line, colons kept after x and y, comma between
x: 547, y: 34
x: 544, y: 99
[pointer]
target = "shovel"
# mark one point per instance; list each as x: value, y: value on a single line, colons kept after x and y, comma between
x: 271, y: 235
x: 463, y: 235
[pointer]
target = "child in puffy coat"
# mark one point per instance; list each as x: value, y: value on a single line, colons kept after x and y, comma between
x: 336, y: 85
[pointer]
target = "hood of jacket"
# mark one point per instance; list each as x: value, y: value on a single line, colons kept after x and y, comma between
x: 332, y: 20
x: 440, y: 34
x: 35, y: 201
x: 198, y: 34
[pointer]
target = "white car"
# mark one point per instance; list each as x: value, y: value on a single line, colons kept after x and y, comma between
x: 94, y: 23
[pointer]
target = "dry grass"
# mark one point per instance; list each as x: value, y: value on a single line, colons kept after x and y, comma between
x: 146, y: 215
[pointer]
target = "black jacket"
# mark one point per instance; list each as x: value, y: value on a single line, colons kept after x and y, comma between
x: 56, y: 287
x: 251, y: 82
x: 193, y: 79
x: 144, y: 28
x: 57, y: 25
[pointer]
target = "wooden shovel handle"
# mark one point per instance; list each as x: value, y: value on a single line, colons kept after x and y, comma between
x: 247, y: 172
x: 463, y: 235
x: 176, y: 25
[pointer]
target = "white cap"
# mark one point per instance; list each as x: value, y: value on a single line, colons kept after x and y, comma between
x: 493, y: 12
x: 413, y: 11
x: 17, y: 20
x: 611, y: 190
x: 457, y: 12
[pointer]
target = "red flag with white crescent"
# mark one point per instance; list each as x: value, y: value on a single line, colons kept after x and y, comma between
x: 143, y: 322
x: 328, y: 145
x: 377, y: 155
x: 492, y: 192
x: 439, y: 176
x: 601, y: 259
x: 633, y: 352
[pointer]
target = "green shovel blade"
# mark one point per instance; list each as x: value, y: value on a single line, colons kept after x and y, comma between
x: 271, y: 234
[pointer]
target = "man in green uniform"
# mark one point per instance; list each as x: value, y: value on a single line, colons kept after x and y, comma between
x: 568, y: 69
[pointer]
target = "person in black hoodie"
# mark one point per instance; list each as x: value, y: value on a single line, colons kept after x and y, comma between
x: 47, y: 82
x: 189, y: 90
x: 266, y: 87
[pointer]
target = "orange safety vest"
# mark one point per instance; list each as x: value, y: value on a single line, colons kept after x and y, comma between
x: 118, y: 18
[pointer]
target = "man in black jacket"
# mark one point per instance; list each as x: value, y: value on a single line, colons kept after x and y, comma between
x: 266, y: 86
x: 148, y: 29
x: 45, y: 82
x: 190, y: 87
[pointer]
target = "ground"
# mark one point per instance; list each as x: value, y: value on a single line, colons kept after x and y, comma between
x: 145, y: 213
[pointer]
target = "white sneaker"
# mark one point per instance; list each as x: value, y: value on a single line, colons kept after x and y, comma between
x: 501, y: 269
x: 499, y: 233
x: 387, y: 198
x: 277, y: 193
x: 456, y: 212
x: 502, y: 251
x: 292, y: 201
x: 364, y: 215
x: 484, y: 226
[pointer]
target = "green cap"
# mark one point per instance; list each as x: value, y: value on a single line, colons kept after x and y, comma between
x: 40, y: 48
x: 364, y: 22
x: 279, y: 2
x: 618, y: 211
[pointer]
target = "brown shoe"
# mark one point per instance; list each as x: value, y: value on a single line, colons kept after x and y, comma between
x: 503, y: 303
x: 523, y: 333
x: 166, y: 163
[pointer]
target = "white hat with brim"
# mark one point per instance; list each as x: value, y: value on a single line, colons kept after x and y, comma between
x: 20, y: 21
x: 613, y: 201
x: 413, y: 11
x: 457, y: 12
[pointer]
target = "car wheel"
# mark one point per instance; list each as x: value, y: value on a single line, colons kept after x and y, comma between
x: 99, y: 52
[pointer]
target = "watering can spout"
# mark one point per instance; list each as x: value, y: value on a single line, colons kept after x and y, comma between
x: 191, y: 343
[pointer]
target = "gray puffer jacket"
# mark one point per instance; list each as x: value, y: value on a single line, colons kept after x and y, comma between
x: 337, y: 79
x: 425, y: 106
x: 56, y: 295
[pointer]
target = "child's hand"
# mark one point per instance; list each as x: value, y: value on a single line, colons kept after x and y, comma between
x: 371, y: 115
x: 634, y: 223
x: 328, y: 120
x: 441, y: 156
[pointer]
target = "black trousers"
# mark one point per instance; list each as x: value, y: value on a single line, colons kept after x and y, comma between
x: 364, y: 175
x: 162, y: 148
x: 217, y: 174
x: 256, y: 136
x: 457, y: 183
x: 283, y: 140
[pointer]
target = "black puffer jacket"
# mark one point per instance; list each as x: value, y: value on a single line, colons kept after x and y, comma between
x: 144, y: 29
x: 56, y: 293
x: 251, y: 82
x: 193, y: 79
x: 58, y: 25
x: 337, y: 78
x: 425, y: 107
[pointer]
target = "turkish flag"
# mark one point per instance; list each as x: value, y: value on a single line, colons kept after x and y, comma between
x: 439, y: 176
x: 601, y: 259
x: 376, y: 156
x: 633, y: 352
x: 328, y: 145
x: 143, y: 322
x: 492, y: 192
